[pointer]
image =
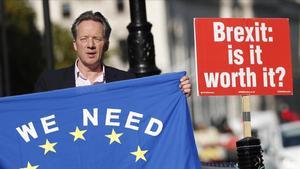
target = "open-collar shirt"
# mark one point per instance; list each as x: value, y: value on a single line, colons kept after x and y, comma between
x: 81, y: 80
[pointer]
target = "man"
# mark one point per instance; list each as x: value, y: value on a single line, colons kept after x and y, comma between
x: 91, y: 33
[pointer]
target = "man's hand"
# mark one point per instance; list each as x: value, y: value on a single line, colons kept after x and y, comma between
x: 186, y: 86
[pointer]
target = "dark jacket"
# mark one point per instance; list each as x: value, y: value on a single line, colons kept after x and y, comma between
x: 65, y: 78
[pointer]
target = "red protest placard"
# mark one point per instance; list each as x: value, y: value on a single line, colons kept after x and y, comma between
x: 237, y: 56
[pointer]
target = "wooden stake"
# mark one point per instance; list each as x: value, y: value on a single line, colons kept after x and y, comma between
x: 246, y: 116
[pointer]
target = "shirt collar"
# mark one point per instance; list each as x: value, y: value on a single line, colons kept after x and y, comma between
x: 80, y: 77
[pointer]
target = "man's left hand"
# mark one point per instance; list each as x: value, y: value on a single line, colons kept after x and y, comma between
x: 186, y: 86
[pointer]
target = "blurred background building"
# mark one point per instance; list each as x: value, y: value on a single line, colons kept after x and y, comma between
x: 172, y: 22
x: 172, y: 28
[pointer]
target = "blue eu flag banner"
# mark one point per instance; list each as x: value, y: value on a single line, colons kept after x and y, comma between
x: 134, y: 124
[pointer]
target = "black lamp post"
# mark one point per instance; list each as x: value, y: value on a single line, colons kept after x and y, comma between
x: 4, y: 62
x: 48, y: 48
x: 140, y: 42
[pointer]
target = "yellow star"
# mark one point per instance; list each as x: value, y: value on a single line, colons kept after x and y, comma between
x: 139, y: 154
x: 29, y: 166
x: 48, y: 146
x: 114, y: 137
x: 78, y: 134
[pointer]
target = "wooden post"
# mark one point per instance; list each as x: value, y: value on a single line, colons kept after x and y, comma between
x: 246, y: 116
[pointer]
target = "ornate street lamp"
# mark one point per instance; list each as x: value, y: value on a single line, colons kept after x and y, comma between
x: 140, y: 42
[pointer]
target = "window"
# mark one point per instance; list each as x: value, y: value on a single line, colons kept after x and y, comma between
x: 66, y: 10
x: 120, y: 6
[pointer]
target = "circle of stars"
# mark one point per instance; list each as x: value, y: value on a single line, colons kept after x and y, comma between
x: 78, y: 134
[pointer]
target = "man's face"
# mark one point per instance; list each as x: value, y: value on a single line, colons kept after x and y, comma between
x: 90, y: 43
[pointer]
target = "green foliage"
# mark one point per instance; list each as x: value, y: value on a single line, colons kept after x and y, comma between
x: 24, y: 44
x: 19, y: 15
x: 63, y: 47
